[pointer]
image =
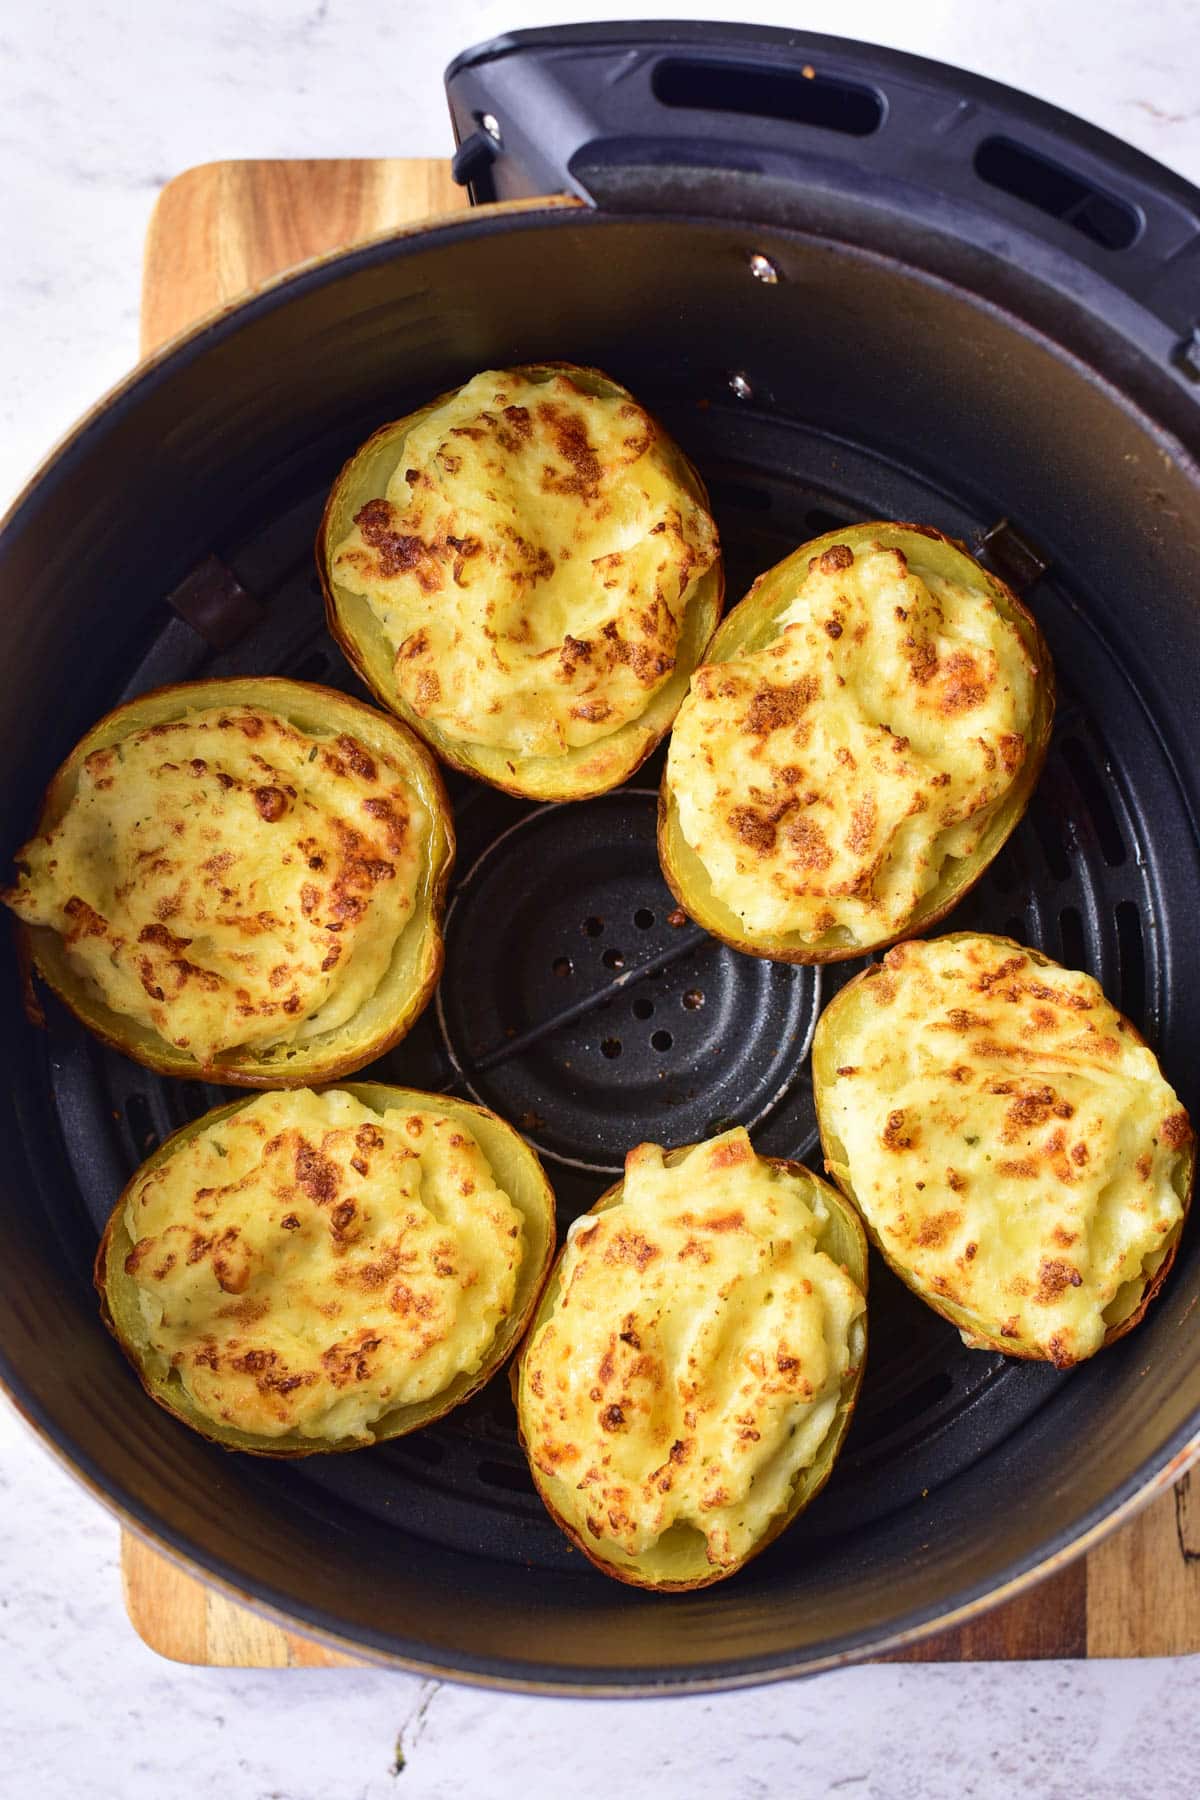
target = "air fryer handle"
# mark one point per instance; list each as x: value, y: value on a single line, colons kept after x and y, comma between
x: 664, y: 117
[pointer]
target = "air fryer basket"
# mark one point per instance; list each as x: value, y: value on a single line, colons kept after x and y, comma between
x: 819, y: 368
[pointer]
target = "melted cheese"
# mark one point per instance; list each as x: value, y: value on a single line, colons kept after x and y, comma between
x: 825, y: 779
x: 530, y: 563
x: 1011, y: 1144
x: 228, y: 880
x: 307, y: 1265
x: 693, y: 1362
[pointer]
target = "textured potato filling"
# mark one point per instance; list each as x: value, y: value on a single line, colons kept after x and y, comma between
x: 693, y: 1362
x: 307, y: 1265
x: 228, y: 879
x: 530, y: 563
x: 1016, y: 1150
x: 825, y: 779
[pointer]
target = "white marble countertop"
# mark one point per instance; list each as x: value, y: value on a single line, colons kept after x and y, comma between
x: 100, y: 103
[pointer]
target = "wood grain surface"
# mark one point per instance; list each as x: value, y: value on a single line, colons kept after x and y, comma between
x: 216, y: 232
x: 225, y: 227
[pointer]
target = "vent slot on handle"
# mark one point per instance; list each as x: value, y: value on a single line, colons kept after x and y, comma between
x: 705, y: 85
x: 1026, y: 175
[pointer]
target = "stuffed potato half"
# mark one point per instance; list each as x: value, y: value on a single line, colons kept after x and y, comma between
x: 241, y: 881
x: 525, y: 570
x: 300, y: 1272
x: 1012, y: 1145
x: 864, y: 735
x: 691, y: 1371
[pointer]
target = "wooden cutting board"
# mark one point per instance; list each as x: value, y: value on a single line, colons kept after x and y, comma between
x: 217, y: 231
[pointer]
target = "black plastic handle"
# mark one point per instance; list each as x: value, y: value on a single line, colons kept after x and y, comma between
x: 663, y: 117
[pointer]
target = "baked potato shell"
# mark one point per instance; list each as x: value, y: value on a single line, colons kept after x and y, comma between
x: 751, y: 626
x: 1127, y: 1307
x: 580, y: 773
x: 679, y: 1561
x: 518, y: 1172
x: 417, y: 959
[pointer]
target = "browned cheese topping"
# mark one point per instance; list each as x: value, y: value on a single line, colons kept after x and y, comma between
x: 825, y: 779
x: 229, y: 880
x: 693, y: 1362
x: 307, y: 1265
x: 530, y: 563
x: 1009, y: 1140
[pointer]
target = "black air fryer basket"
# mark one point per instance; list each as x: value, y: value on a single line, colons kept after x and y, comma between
x: 853, y: 285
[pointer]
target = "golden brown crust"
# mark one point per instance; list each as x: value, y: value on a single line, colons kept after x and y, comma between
x: 537, y: 1203
x: 324, y: 708
x: 227, y: 1074
x: 698, y: 906
x: 833, y: 1160
x: 606, y: 763
x: 632, y: 1577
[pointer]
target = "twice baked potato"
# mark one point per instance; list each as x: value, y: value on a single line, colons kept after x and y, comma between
x: 692, y: 1368
x: 525, y: 570
x: 1009, y: 1139
x: 241, y: 881
x: 299, y: 1272
x: 864, y: 734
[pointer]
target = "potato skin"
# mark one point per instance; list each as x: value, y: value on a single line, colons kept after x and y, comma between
x: 750, y: 619
x: 579, y: 774
x: 825, y: 1059
x: 308, y: 705
x: 536, y: 1201
x: 851, y: 1224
